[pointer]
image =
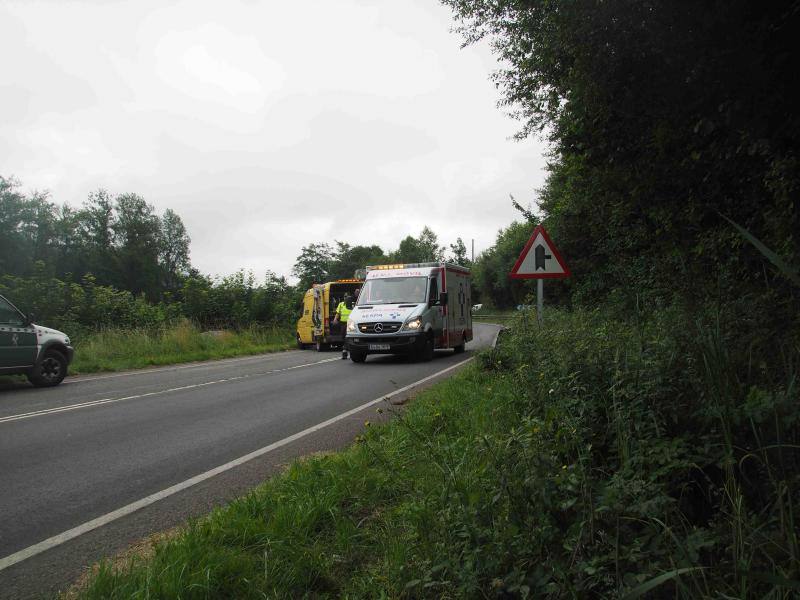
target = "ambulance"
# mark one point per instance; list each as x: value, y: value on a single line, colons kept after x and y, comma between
x: 412, y: 309
x: 315, y: 326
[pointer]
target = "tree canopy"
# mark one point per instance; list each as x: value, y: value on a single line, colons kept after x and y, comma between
x: 119, y: 240
x: 319, y: 262
x: 663, y: 117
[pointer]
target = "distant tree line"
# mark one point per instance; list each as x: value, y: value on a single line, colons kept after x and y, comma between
x: 114, y: 262
x: 119, y: 240
x: 320, y: 262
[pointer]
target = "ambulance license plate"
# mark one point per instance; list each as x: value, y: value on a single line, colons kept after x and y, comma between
x: 379, y: 346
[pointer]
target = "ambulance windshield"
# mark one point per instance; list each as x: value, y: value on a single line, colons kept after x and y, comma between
x: 393, y: 290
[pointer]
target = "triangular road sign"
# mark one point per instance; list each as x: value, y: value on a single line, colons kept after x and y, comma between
x: 540, y: 259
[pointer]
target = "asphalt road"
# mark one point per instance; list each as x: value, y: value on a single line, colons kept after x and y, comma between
x: 100, y: 462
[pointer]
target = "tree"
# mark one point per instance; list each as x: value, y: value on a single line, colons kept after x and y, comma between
x: 429, y: 245
x: 313, y: 265
x: 41, y: 229
x: 662, y: 117
x: 70, y: 256
x: 14, y: 213
x: 174, y: 249
x: 28, y: 230
x: 348, y: 259
x: 421, y: 249
x: 459, y: 254
x: 275, y: 300
x: 137, y: 232
x: 96, y: 222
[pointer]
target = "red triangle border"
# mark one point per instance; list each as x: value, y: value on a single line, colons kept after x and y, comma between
x: 540, y: 229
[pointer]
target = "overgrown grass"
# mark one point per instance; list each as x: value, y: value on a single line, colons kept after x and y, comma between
x: 587, y: 458
x: 118, y: 349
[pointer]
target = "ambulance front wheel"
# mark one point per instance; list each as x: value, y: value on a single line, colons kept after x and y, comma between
x: 358, y: 357
x: 322, y: 347
x: 426, y: 354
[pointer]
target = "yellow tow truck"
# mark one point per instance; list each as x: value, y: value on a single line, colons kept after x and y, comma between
x: 315, y: 326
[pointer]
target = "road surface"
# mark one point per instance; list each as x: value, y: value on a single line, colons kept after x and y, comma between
x: 100, y: 462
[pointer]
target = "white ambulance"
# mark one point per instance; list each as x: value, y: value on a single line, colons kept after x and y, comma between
x: 411, y: 309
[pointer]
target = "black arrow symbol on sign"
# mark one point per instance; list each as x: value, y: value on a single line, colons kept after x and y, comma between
x: 540, y: 257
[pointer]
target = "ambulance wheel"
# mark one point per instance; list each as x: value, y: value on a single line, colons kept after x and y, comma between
x: 426, y: 354
x: 322, y: 347
x: 358, y: 357
x: 300, y: 344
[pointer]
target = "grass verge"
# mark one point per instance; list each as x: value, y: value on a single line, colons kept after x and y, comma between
x: 119, y: 349
x: 586, y: 458
x: 495, y: 315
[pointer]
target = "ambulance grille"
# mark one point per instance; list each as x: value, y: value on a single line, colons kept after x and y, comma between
x: 385, y: 327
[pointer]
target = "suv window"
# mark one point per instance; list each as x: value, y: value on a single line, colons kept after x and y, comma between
x: 9, y: 315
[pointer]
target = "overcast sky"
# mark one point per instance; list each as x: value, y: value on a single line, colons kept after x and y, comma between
x: 265, y: 125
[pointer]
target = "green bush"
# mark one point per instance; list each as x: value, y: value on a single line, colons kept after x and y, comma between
x: 81, y: 309
x: 647, y: 449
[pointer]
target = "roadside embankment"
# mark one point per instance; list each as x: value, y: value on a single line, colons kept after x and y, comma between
x: 589, y: 457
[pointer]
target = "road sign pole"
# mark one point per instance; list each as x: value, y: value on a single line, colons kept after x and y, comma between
x: 539, y: 299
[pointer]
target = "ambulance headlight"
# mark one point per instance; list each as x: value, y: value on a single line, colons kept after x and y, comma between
x: 413, y: 324
x: 351, y: 326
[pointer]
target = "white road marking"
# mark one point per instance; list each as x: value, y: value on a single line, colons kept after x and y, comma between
x: 58, y: 409
x: 71, y: 534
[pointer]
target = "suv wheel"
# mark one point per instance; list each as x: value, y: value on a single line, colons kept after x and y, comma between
x: 49, y: 371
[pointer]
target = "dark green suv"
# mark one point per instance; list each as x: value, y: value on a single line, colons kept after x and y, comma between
x: 41, y: 353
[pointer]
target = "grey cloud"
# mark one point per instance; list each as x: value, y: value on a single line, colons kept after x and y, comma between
x: 320, y: 147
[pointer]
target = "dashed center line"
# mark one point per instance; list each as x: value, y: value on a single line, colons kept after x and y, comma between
x: 180, y: 367
x: 91, y: 403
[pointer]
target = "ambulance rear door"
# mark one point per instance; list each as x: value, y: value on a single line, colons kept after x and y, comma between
x: 459, y: 315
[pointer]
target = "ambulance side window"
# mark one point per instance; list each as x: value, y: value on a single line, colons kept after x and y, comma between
x: 433, y: 294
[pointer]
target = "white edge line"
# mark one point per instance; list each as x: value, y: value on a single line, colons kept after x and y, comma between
x: 71, y: 534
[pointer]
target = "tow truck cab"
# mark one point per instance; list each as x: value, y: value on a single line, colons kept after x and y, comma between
x: 413, y: 309
x: 316, y: 326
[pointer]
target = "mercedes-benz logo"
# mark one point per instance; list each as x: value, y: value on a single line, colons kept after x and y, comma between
x: 378, y: 327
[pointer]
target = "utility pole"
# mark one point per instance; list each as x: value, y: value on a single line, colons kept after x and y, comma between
x: 473, y: 251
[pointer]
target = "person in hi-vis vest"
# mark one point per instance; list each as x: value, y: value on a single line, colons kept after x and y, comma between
x: 342, y: 314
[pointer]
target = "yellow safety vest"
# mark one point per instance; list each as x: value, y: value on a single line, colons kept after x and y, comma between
x: 343, y: 312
